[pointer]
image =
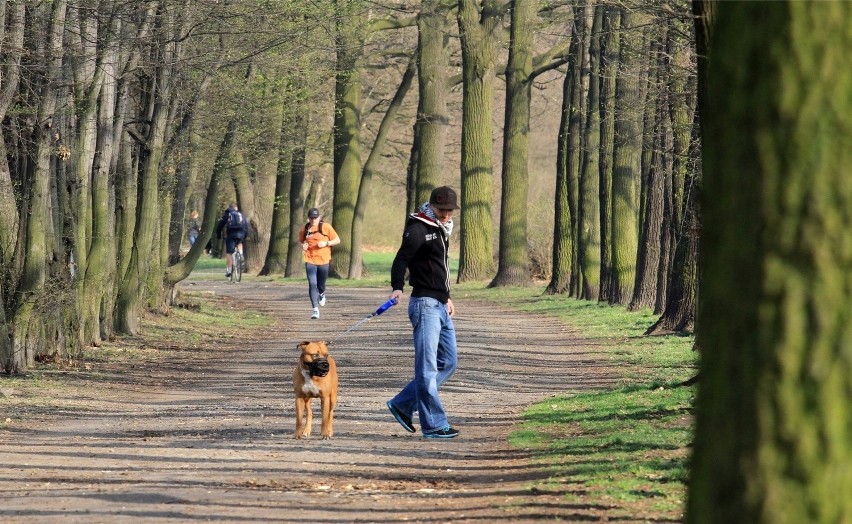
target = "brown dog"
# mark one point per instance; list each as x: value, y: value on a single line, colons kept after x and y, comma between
x: 315, y: 376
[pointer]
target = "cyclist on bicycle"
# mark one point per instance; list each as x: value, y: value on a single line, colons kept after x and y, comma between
x: 236, y: 230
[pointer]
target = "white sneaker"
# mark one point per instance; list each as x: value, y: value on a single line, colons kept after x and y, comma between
x: 315, y: 313
x: 322, y: 299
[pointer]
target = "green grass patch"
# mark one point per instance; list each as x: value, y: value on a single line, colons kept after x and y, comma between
x: 625, y: 448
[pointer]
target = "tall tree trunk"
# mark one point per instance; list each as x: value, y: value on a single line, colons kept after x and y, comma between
x: 681, y: 107
x: 611, y: 43
x: 589, y: 248
x: 297, y: 195
x: 87, y: 87
x: 650, y: 246
x: 478, y: 23
x: 513, y: 268
x: 576, y: 124
x: 275, y: 262
x: 134, y: 287
x: 627, y: 157
x: 182, y: 269
x: 37, y: 324
x: 355, y: 264
x: 187, y: 166
x: 773, y: 413
x: 347, y: 133
x: 563, y: 236
x: 682, y: 297
x: 98, y: 283
x: 433, y: 57
x: 10, y: 72
x: 413, y: 163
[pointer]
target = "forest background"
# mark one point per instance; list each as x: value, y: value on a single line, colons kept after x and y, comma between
x: 565, y: 127
x: 118, y: 117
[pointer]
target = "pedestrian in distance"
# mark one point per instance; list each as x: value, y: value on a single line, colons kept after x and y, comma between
x: 235, y: 227
x: 424, y: 253
x: 194, y: 227
x: 316, y: 239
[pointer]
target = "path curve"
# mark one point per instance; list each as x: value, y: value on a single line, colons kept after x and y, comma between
x: 216, y: 445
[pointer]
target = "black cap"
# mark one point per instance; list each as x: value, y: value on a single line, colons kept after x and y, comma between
x: 444, y: 198
x: 313, y: 213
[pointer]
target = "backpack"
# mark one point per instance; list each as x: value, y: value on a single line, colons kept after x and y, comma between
x: 235, y: 220
x: 317, y: 232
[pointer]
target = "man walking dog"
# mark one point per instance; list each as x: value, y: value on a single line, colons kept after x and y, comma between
x: 424, y: 253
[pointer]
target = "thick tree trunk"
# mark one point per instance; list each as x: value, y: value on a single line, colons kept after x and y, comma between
x: 589, y: 248
x: 347, y: 135
x: 38, y: 328
x: 433, y: 30
x: 11, y: 74
x: 99, y: 280
x: 681, y: 107
x: 144, y: 254
x: 479, y: 53
x: 611, y: 42
x: 260, y: 210
x: 275, y: 262
x: 627, y: 158
x: 576, y: 124
x: 563, y: 236
x: 653, y: 206
x: 773, y: 417
x: 513, y: 265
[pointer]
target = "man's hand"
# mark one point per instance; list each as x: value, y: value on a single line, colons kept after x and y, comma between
x: 451, y: 309
x: 397, y: 294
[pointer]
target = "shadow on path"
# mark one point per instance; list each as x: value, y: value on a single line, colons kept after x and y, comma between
x: 216, y: 443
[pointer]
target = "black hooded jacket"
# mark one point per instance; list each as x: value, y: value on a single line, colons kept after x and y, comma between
x: 424, y: 252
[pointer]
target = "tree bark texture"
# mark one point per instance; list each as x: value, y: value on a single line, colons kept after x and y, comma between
x: 37, y: 321
x: 479, y: 22
x: 653, y: 207
x: 627, y: 157
x: 275, y: 262
x: 135, y: 284
x: 370, y: 166
x: 433, y: 58
x: 774, y: 409
x: 513, y: 265
x: 589, y: 248
x: 563, y: 235
x: 610, y: 43
x: 347, y: 133
x: 10, y: 72
x: 297, y: 196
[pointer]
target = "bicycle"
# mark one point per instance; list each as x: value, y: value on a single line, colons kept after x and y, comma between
x: 237, y: 267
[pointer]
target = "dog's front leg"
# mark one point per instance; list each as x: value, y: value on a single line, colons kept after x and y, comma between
x: 327, y: 417
x: 300, y: 414
x: 309, y: 415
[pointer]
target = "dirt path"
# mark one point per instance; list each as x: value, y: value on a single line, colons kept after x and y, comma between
x: 209, y: 437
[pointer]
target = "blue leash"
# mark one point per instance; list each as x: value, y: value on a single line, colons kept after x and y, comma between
x: 384, y: 307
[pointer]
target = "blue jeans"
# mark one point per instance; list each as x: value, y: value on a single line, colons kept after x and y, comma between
x: 435, y: 360
x: 317, y: 275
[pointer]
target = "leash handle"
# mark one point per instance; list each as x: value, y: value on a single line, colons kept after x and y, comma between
x: 387, y: 305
